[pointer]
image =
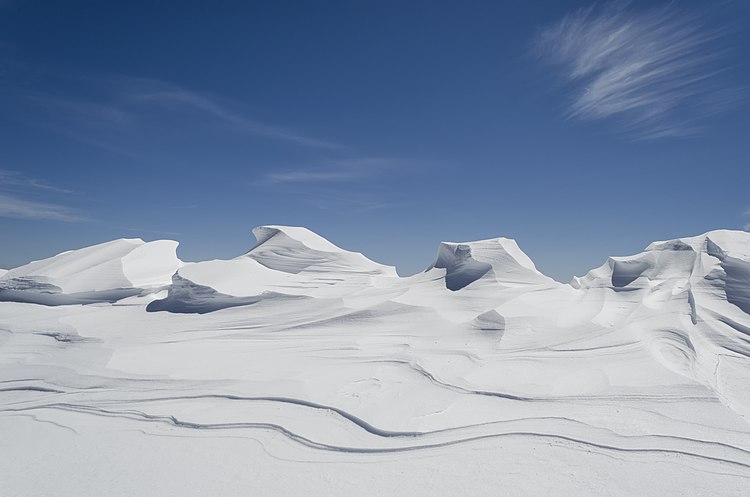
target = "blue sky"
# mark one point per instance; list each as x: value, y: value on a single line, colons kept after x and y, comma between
x: 386, y: 126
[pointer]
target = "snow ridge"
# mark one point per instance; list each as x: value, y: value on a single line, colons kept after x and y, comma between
x: 101, y: 273
x: 322, y: 369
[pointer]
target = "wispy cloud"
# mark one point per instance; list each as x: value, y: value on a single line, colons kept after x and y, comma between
x: 126, y: 107
x: 172, y: 96
x: 106, y: 122
x: 352, y: 201
x: 334, y: 171
x: 343, y: 185
x: 16, y: 202
x: 655, y: 72
x: 95, y: 112
x: 9, y: 179
x: 14, y: 207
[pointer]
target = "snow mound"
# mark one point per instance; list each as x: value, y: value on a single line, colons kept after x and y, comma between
x: 322, y: 367
x: 490, y: 321
x: 720, y: 259
x: 498, y: 258
x: 292, y: 249
x: 691, y: 299
x: 285, y: 261
x: 732, y: 249
x: 102, y: 273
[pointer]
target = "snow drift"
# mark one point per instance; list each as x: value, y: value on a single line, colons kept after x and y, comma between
x: 320, y: 369
x: 285, y: 261
x: 103, y: 273
x: 498, y: 258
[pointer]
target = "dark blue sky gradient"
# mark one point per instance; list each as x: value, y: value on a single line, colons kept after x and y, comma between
x: 384, y: 126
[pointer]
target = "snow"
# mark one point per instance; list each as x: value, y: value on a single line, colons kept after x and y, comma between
x: 300, y: 368
x: 294, y: 250
x: 500, y: 258
x: 102, y: 273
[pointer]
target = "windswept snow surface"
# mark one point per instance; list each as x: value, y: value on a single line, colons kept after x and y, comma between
x: 107, y: 272
x: 300, y: 368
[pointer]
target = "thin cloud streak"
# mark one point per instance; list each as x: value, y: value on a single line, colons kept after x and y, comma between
x: 14, y: 207
x: 349, y: 185
x: 171, y: 96
x: 130, y: 104
x: 655, y: 72
x: 336, y: 171
x: 15, y: 188
x: 354, y: 201
x: 95, y: 112
x: 13, y: 179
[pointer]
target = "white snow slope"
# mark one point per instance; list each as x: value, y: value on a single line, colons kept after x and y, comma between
x: 301, y: 368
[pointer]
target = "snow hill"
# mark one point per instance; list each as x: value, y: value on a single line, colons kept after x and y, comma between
x: 285, y: 262
x: 301, y: 368
x: 103, y: 273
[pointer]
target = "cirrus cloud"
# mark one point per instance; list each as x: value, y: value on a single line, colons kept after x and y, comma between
x: 13, y: 207
x: 336, y: 171
x: 17, y: 202
x: 656, y: 72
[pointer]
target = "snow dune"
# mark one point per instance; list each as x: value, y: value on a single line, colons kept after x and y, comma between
x: 300, y: 368
x: 107, y: 272
x: 500, y: 258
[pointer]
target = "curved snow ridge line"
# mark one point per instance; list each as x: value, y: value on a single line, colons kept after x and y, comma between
x: 744, y: 331
x: 358, y: 422
x: 345, y: 315
x: 419, y: 369
x: 284, y: 400
x: 174, y: 421
x: 31, y: 389
x: 355, y: 420
x: 48, y: 421
x: 606, y: 349
x: 571, y: 398
x: 371, y: 429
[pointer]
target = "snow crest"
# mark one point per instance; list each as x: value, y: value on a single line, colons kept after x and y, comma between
x: 102, y: 273
x: 324, y: 369
x: 498, y: 258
